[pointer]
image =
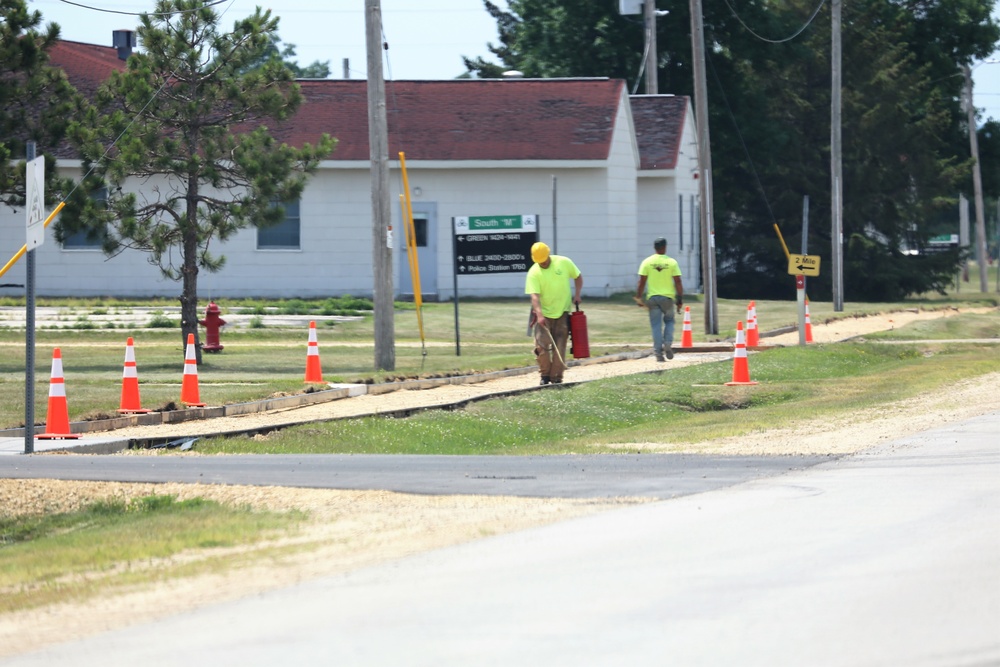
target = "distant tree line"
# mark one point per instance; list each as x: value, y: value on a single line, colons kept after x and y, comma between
x: 906, y: 154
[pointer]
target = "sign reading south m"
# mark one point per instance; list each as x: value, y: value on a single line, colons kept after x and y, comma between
x: 478, y: 224
x: 494, y: 243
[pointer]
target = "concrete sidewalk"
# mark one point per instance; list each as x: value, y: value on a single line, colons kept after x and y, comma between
x: 107, y: 444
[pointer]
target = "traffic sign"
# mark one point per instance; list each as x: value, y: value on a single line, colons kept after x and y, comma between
x: 494, y: 244
x: 34, y: 179
x: 803, y: 265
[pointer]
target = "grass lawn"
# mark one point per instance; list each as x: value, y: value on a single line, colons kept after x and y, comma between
x: 67, y: 556
x: 259, y: 362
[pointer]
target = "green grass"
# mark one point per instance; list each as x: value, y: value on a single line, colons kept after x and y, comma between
x: 259, y: 362
x: 689, y: 404
x: 58, y: 557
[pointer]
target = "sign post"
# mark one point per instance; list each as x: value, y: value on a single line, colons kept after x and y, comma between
x: 801, y: 266
x: 486, y: 244
x: 34, y: 186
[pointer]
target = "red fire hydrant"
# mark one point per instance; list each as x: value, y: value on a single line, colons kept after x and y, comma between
x: 212, y: 323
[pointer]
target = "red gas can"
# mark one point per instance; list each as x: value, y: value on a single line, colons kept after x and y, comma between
x: 579, y: 345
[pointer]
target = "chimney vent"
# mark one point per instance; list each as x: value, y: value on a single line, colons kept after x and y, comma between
x: 124, y: 41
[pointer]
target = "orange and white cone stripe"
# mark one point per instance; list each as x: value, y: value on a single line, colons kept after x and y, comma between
x: 741, y: 366
x: 687, y: 339
x: 57, y: 421
x: 809, y: 326
x: 130, y: 401
x: 314, y: 372
x: 753, y: 335
x: 189, y: 386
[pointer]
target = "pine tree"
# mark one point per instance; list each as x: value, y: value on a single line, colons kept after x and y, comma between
x: 36, y: 100
x: 190, y: 114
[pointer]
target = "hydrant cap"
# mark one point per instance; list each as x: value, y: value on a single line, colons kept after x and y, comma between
x: 212, y: 308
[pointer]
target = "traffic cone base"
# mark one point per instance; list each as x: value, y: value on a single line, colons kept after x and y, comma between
x: 741, y: 366
x: 686, y: 335
x: 57, y: 420
x: 314, y: 371
x: 189, y: 385
x: 130, y: 402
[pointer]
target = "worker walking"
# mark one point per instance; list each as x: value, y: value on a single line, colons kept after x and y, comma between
x: 548, y: 284
x: 660, y: 281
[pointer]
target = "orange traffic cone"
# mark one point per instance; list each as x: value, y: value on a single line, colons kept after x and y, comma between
x: 809, y: 326
x: 130, y: 403
x: 741, y: 367
x: 57, y: 423
x: 189, y: 385
x: 686, y: 340
x: 314, y: 373
x: 753, y: 335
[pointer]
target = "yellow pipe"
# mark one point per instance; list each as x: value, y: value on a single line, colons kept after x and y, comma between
x: 782, y: 239
x: 411, y: 245
x: 20, y: 253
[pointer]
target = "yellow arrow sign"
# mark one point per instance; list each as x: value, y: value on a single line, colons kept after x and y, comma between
x: 803, y: 265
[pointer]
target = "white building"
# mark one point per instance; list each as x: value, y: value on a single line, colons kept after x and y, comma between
x: 616, y: 171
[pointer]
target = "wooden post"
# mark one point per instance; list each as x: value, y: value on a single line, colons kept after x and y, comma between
x: 382, y: 292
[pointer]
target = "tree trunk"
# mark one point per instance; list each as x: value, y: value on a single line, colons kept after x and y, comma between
x: 189, y: 271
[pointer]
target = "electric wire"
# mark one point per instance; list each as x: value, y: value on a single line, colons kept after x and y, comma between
x: 642, y: 66
x: 746, y: 150
x: 117, y: 11
x: 776, y: 41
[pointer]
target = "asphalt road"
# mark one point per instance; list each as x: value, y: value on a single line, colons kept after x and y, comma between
x: 584, y: 476
x: 884, y: 558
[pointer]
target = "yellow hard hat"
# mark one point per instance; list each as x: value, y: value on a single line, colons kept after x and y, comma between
x: 539, y: 252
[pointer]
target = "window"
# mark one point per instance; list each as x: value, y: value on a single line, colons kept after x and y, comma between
x: 420, y: 229
x: 285, y: 234
x: 88, y: 239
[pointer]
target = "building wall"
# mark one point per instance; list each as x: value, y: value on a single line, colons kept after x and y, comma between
x: 606, y: 216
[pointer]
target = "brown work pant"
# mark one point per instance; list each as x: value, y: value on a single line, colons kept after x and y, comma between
x: 550, y: 363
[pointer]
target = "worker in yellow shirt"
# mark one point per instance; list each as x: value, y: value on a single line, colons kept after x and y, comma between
x: 660, y: 282
x: 548, y: 284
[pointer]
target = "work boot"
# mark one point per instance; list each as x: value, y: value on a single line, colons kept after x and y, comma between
x: 668, y: 351
x: 556, y: 381
x: 659, y: 357
x: 545, y: 379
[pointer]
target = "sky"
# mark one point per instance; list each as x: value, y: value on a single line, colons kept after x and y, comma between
x: 427, y: 38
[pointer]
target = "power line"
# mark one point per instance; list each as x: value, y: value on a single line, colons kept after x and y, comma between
x: 776, y: 41
x: 116, y: 11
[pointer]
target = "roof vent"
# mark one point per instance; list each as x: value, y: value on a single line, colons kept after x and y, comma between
x: 513, y: 74
x: 124, y: 41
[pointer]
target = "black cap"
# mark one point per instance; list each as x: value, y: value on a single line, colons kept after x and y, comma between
x: 659, y: 242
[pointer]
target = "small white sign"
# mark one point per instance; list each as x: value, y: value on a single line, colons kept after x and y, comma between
x: 630, y: 6
x: 34, y: 179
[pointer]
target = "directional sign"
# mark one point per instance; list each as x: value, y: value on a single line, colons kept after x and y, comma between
x: 35, y: 195
x: 494, y: 244
x: 803, y: 265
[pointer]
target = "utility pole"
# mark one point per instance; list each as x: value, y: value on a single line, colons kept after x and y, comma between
x: 649, y: 15
x: 836, y: 164
x: 705, y: 169
x: 378, y: 142
x: 977, y: 181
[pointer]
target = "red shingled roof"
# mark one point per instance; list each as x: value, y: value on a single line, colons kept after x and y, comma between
x: 87, y: 66
x: 659, y: 121
x: 459, y: 119
x: 466, y: 119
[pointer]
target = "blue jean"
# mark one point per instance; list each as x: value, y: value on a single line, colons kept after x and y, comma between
x: 661, y: 321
